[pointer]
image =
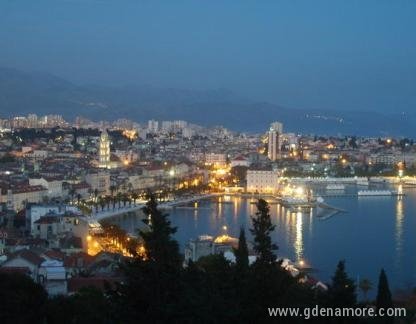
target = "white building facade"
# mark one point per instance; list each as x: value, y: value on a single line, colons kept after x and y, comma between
x: 262, y: 181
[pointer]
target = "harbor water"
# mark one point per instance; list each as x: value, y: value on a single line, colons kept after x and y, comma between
x: 373, y: 233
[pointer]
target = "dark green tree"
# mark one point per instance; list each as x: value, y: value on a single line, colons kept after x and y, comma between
x: 384, y: 299
x: 22, y: 300
x: 89, y: 305
x: 152, y: 286
x: 262, y: 227
x: 341, y: 292
x: 241, y: 254
x: 159, y: 244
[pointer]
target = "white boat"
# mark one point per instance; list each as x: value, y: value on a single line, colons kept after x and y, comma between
x: 335, y: 187
x: 362, y: 182
x: 377, y: 180
x: 375, y: 193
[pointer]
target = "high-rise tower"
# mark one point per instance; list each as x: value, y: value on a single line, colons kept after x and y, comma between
x: 276, y: 129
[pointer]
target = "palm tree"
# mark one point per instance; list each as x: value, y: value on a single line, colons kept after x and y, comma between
x: 119, y: 198
x: 107, y: 201
x: 134, y: 196
x: 112, y: 189
x: 365, y: 286
x: 126, y: 199
x: 101, y: 202
x: 124, y: 187
x: 114, y: 200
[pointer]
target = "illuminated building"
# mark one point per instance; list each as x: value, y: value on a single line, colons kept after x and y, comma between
x: 217, y: 159
x: 206, y: 245
x: 104, y: 150
x: 262, y: 181
x: 275, y: 131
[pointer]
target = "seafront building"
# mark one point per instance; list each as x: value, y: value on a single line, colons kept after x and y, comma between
x: 262, y: 181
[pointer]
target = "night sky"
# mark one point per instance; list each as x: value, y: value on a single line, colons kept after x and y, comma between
x: 340, y: 55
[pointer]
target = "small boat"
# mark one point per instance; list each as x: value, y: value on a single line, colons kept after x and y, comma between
x: 362, y: 182
x: 377, y: 180
x: 335, y: 187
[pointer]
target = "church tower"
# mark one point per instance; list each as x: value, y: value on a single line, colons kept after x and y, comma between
x: 104, y: 150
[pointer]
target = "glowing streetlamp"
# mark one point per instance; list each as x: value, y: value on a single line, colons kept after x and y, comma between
x: 400, y: 166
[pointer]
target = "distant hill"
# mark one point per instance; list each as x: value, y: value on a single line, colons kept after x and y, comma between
x: 22, y: 93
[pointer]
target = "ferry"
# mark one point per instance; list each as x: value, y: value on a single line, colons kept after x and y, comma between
x: 376, y: 193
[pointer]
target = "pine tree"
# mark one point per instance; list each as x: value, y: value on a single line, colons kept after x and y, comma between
x: 241, y: 253
x: 152, y: 287
x: 342, y: 289
x: 262, y: 227
x: 159, y: 245
x: 384, y: 299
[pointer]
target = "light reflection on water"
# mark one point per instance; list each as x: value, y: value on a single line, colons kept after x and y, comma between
x: 298, y: 246
x: 376, y: 232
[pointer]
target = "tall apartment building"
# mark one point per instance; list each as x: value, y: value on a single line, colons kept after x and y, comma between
x: 276, y: 129
x: 152, y: 126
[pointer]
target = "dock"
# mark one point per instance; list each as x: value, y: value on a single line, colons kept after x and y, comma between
x: 347, y: 195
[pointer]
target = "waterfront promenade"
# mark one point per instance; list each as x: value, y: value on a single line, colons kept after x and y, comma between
x: 112, y: 212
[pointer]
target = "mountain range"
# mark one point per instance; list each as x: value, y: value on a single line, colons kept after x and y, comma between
x: 22, y: 93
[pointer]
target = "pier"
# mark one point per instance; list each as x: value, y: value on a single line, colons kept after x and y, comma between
x: 349, y: 195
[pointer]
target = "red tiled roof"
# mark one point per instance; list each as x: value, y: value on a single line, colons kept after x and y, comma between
x: 28, y: 189
x: 75, y: 284
x: 153, y: 168
x: 80, y: 259
x: 22, y: 270
x: 54, y: 254
x: 82, y: 185
x: 28, y: 256
x: 47, y: 220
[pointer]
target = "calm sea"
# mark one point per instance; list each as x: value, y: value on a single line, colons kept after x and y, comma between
x: 374, y: 233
